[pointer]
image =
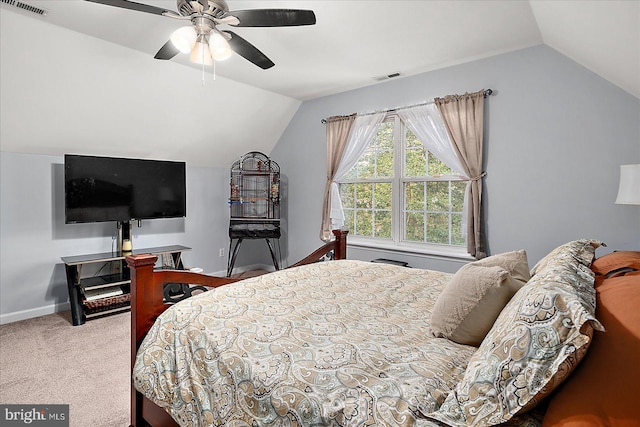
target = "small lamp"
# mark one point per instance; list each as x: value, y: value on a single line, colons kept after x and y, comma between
x: 184, y: 38
x: 219, y: 46
x: 200, y: 53
x: 629, y: 190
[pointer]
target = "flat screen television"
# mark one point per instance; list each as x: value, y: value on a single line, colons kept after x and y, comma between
x: 99, y: 189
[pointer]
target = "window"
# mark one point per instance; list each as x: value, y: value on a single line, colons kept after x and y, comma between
x: 399, y: 193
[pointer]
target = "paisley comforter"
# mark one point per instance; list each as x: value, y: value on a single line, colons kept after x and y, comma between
x: 341, y: 343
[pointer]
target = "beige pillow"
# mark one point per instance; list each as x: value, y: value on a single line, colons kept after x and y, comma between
x: 471, y: 302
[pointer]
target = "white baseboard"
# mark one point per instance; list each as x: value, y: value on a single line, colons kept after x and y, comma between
x: 33, y: 312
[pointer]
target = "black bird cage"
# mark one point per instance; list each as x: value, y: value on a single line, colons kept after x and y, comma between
x: 254, y: 203
x: 255, y: 188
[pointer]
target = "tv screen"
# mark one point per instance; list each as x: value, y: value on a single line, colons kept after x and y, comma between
x: 101, y: 189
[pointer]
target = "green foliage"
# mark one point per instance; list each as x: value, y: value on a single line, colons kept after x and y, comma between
x: 364, y: 223
x: 437, y: 228
x: 414, y: 196
x: 414, y: 229
x: 458, y: 189
x: 383, y: 224
x: 457, y: 236
x: 383, y: 192
x: 438, y: 196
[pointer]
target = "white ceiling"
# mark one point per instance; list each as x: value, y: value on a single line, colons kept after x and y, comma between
x: 356, y: 41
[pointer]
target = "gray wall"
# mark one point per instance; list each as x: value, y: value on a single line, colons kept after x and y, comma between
x: 34, y: 235
x: 556, y: 134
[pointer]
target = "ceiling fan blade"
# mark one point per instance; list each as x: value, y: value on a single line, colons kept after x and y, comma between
x: 273, y: 17
x: 167, y: 51
x: 249, y: 51
x: 125, y: 4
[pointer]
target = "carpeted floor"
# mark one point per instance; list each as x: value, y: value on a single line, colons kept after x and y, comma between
x: 46, y: 360
x: 250, y: 273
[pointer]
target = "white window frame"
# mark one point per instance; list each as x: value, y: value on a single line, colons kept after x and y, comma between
x: 397, y: 242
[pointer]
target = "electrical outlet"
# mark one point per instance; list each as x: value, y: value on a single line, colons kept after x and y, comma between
x: 221, y: 252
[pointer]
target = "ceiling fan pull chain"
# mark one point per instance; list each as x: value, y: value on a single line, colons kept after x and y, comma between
x: 203, y: 72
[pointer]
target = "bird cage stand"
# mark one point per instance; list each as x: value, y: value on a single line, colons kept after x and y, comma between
x: 254, y: 204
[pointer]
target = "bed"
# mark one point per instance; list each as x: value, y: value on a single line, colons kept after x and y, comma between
x: 353, y: 343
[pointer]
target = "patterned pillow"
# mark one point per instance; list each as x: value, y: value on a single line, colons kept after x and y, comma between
x: 538, y: 339
x: 581, y: 251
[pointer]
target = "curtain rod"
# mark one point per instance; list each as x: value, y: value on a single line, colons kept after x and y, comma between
x: 487, y: 92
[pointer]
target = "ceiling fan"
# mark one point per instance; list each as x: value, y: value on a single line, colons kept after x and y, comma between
x: 204, y: 40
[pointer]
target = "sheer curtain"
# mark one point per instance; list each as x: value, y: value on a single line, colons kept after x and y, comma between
x: 426, y: 123
x: 362, y: 132
x: 463, y: 116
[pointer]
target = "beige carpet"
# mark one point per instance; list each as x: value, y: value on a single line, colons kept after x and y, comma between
x: 46, y: 360
x: 250, y: 273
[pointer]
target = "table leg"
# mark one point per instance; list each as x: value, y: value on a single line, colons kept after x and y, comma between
x: 232, y: 259
x: 77, y: 314
x: 273, y: 255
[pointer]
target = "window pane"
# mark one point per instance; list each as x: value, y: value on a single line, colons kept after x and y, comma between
x: 353, y: 173
x: 437, y: 168
x: 383, y: 195
x: 364, y: 196
x: 383, y: 147
x: 438, y: 228
x: 457, y: 236
x: 346, y: 194
x: 366, y: 165
x: 384, y: 166
x: 416, y: 156
x: 383, y: 224
x: 363, y: 223
x: 416, y: 162
x: 414, y: 226
x: 412, y: 141
x: 457, y: 195
x: 438, y: 196
x: 348, y: 220
x: 384, y: 137
x: 414, y: 196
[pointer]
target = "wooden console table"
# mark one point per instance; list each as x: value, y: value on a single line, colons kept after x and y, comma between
x: 106, y: 294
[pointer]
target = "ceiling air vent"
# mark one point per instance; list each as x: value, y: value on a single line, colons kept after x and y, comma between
x: 387, y: 77
x: 25, y: 6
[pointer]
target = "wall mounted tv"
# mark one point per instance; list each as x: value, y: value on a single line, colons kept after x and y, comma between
x: 101, y: 189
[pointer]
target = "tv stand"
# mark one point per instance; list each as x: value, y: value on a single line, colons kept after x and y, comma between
x: 101, y: 295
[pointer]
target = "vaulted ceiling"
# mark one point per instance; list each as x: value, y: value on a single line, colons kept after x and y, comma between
x: 355, y: 42
x: 82, y: 78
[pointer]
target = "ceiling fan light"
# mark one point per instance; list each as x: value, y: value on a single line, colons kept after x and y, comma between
x: 200, y: 54
x: 184, y: 38
x: 219, y: 47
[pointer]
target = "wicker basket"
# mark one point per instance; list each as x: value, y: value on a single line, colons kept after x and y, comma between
x: 106, y: 304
